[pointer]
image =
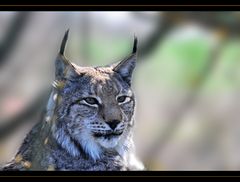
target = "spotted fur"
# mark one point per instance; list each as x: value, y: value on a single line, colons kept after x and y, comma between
x: 89, y: 120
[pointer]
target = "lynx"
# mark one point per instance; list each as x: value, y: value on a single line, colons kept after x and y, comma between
x: 88, y: 125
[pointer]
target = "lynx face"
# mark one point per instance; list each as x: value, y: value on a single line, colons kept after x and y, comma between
x: 97, y: 106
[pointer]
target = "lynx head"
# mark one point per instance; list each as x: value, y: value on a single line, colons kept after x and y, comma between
x: 95, y: 114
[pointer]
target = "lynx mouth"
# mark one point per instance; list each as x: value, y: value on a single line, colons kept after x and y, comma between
x: 107, y: 135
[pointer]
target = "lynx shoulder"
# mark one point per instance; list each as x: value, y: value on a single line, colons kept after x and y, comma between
x: 88, y: 122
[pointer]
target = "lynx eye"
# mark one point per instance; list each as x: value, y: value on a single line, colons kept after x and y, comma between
x: 123, y: 99
x: 91, y: 100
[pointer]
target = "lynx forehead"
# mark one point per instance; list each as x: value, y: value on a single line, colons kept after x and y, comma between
x: 105, y: 82
x: 109, y: 88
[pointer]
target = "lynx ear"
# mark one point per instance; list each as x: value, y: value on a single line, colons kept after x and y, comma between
x: 63, y: 67
x: 125, y: 68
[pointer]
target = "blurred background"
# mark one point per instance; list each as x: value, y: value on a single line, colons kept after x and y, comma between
x: 187, y: 81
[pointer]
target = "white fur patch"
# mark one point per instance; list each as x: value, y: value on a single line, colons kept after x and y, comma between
x: 90, y: 146
x: 127, y: 151
x: 134, y: 163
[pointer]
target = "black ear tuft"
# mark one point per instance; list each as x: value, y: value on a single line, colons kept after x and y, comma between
x: 135, y: 45
x: 64, y: 41
x: 125, y: 67
x: 63, y: 67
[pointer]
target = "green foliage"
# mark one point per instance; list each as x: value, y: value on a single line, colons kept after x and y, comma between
x: 225, y: 76
x: 177, y: 63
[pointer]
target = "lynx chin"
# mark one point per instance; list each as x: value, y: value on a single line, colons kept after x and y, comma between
x: 88, y: 124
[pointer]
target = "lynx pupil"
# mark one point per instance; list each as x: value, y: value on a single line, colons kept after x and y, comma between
x: 91, y: 100
x: 121, y: 99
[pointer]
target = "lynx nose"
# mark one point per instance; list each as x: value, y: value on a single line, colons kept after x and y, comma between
x: 113, y: 124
